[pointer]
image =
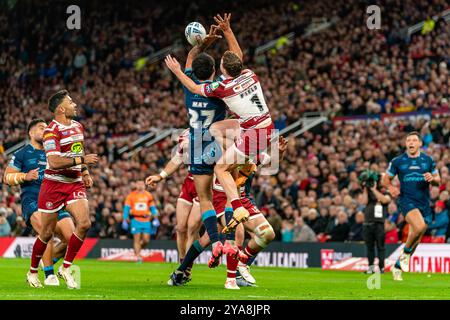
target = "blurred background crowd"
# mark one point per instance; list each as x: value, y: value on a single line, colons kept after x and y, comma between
x: 343, y: 70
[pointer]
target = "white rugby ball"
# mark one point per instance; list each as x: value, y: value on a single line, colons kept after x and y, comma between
x: 195, y: 33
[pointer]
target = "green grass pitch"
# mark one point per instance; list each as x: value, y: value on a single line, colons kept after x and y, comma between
x: 125, y: 280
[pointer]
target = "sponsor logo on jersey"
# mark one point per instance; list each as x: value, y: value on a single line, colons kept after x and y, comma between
x: 414, y: 167
x: 49, y: 145
x: 414, y: 177
x: 238, y: 88
x: 77, y: 147
x: 214, y: 85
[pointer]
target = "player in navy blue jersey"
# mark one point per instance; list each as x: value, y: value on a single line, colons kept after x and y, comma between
x: 26, y: 169
x: 203, y: 112
x: 415, y: 171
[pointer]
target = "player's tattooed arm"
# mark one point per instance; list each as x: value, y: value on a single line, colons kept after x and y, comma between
x: 224, y: 25
x: 57, y: 162
x: 174, y: 66
x: 207, y: 42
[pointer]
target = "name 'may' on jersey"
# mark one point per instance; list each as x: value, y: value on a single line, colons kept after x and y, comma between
x: 244, y: 98
x: 203, y: 112
x: 64, y: 141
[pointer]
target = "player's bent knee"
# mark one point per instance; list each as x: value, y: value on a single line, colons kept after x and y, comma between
x: 84, y: 225
x: 422, y: 228
x: 46, y: 235
x: 182, y: 229
x: 264, y: 234
x: 192, y: 231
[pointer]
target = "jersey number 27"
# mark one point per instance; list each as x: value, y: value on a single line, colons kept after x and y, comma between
x: 194, y: 116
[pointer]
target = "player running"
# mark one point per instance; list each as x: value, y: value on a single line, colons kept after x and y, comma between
x: 187, y: 209
x: 26, y: 169
x: 66, y: 178
x: 141, y: 209
x: 416, y: 171
x: 243, y: 138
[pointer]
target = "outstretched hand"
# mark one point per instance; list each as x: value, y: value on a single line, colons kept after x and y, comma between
x: 172, y: 64
x: 223, y: 23
x: 210, y: 38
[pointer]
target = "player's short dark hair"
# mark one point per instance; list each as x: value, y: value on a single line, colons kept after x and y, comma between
x: 56, y: 99
x: 414, y: 133
x: 33, y: 123
x: 203, y: 66
x: 232, y: 63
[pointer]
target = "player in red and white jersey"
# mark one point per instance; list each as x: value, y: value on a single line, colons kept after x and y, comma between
x: 64, y: 186
x: 245, y: 137
x: 188, y: 213
x: 238, y: 258
x: 63, y: 141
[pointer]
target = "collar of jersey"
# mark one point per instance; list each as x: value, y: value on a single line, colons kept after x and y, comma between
x: 62, y: 125
x: 407, y: 155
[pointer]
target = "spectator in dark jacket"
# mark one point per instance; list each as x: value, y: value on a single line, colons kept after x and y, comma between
x: 355, y: 233
x: 265, y: 197
x: 341, y: 230
x: 317, y: 223
x: 275, y: 221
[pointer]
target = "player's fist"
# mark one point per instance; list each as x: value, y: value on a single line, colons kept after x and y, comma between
x: 428, y: 177
x: 91, y: 158
x: 88, y: 182
x: 394, y: 191
x: 32, y: 175
x: 151, y: 181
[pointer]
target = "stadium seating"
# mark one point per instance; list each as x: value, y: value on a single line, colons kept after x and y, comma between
x: 345, y: 70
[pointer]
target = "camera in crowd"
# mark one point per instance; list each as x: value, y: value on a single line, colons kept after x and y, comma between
x: 369, y: 178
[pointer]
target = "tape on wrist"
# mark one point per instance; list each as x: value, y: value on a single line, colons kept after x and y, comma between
x: 163, y: 174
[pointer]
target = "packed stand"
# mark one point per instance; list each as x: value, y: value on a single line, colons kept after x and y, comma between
x: 344, y: 70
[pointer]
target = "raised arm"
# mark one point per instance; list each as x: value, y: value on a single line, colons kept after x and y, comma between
x: 174, y: 66
x: 207, y: 42
x: 224, y: 25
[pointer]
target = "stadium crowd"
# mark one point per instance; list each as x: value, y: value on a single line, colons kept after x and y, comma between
x: 343, y: 70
